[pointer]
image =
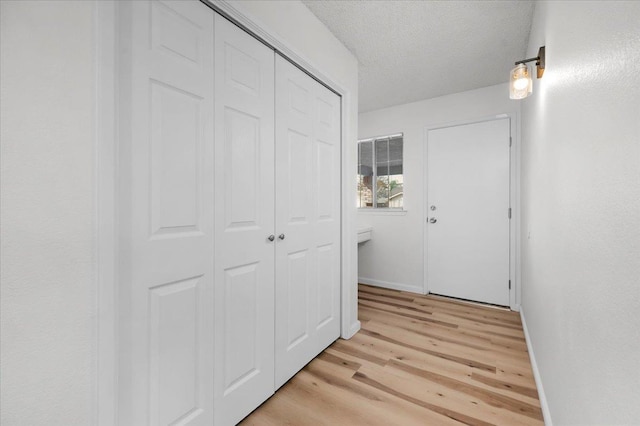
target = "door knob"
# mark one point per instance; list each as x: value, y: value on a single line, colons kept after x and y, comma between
x: 271, y: 237
x: 281, y: 236
x: 433, y: 220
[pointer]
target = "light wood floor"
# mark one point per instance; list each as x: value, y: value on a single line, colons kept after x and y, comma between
x: 418, y: 360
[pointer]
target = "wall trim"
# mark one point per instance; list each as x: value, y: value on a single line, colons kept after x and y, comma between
x: 514, y: 183
x: 355, y: 327
x: 546, y: 414
x: 105, y: 207
x: 391, y: 285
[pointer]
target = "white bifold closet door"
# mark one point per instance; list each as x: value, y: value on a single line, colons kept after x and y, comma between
x: 166, y: 269
x: 307, y: 194
x: 244, y: 220
x: 229, y: 217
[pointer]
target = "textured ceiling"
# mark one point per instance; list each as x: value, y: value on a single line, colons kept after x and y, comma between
x: 413, y: 50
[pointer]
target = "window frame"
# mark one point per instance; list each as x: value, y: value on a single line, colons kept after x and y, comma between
x: 373, y: 140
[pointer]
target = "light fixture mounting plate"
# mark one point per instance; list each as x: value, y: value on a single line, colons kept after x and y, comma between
x: 540, y: 63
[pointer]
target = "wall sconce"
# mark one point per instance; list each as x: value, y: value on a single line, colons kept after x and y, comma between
x: 520, y: 82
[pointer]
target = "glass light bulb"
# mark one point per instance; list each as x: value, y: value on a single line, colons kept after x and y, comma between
x: 520, y: 82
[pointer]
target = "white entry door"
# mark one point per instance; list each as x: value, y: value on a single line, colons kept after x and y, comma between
x: 244, y: 221
x: 166, y: 265
x: 307, y: 219
x: 468, y: 170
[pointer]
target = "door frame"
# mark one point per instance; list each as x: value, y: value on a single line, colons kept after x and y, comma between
x: 106, y: 205
x: 514, y: 196
x: 107, y: 194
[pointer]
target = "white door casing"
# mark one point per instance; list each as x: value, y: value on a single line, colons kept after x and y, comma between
x: 244, y: 219
x: 166, y: 297
x: 307, y: 219
x: 468, y: 183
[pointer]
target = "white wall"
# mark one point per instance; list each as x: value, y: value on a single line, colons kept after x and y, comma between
x: 394, y: 256
x: 47, y: 290
x: 47, y: 216
x: 581, y: 211
x: 294, y: 25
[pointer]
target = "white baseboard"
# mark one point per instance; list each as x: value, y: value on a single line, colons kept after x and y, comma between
x: 536, y: 373
x: 355, y: 327
x: 390, y: 285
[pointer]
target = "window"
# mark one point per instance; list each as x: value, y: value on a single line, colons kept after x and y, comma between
x: 380, y: 181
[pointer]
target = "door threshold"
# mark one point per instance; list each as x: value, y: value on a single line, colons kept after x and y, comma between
x: 472, y: 302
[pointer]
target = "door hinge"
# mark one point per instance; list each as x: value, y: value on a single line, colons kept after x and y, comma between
x: 510, y: 140
x: 509, y: 284
x: 509, y: 212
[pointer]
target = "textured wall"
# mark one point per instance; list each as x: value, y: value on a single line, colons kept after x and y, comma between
x: 581, y: 210
x: 414, y: 50
x: 46, y: 212
x: 395, y: 254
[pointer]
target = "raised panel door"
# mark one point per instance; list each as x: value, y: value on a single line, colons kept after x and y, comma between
x: 326, y: 238
x: 244, y: 219
x: 307, y: 218
x: 166, y: 346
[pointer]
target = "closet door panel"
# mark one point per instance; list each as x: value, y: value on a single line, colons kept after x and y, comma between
x: 295, y: 257
x: 327, y: 214
x: 294, y: 211
x: 307, y: 207
x: 244, y: 219
x: 166, y: 297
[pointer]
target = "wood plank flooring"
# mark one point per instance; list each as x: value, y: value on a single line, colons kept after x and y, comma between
x: 418, y: 360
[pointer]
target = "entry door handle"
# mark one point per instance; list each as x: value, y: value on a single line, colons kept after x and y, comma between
x: 433, y: 220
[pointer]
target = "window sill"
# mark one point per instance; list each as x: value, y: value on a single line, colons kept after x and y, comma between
x: 382, y: 212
